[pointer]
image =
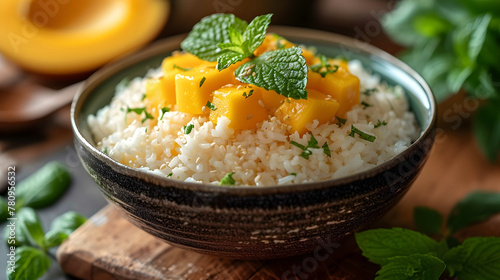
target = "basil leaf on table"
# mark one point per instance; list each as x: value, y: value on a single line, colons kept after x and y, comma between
x: 412, y: 267
x: 68, y: 222
x: 428, y: 220
x: 475, y: 208
x: 29, y: 222
x: 44, y: 187
x: 379, y: 245
x: 54, y: 238
x: 31, y: 263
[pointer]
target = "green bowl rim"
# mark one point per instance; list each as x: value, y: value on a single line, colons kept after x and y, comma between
x: 172, y: 43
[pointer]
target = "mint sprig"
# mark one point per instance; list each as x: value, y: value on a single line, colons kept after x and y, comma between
x: 407, y: 254
x: 284, y: 71
x: 205, y: 37
x: 242, y: 45
x: 226, y: 39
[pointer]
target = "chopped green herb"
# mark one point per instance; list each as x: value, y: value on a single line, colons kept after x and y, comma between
x: 249, y: 94
x: 362, y: 135
x: 181, y: 68
x: 163, y: 111
x: 211, y: 106
x: 139, y: 111
x: 188, y: 128
x: 146, y: 130
x: 227, y: 179
x: 365, y: 105
x: 202, y: 81
x: 293, y: 174
x: 312, y: 143
x: 340, y: 121
x: 380, y: 123
x: 105, y: 151
x: 326, y: 149
x: 170, y: 174
x: 369, y: 91
x: 324, y: 67
x: 143, y: 97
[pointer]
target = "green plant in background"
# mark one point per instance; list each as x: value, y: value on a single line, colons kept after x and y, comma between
x: 406, y: 254
x: 32, y: 244
x: 28, y: 241
x: 455, y: 44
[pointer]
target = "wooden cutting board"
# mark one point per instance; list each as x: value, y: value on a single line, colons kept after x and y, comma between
x: 109, y: 247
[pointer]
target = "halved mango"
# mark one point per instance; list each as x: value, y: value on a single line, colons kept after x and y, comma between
x: 241, y: 105
x: 74, y: 37
x: 299, y: 112
x: 341, y: 86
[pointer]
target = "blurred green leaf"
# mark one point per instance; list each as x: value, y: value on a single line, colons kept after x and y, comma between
x: 44, y: 187
x: 474, y: 208
x: 412, y: 267
x: 428, y: 220
x: 31, y: 264
x: 431, y: 25
x: 478, y: 258
x: 68, y: 222
x: 29, y: 222
x: 468, y: 39
x: 4, y: 210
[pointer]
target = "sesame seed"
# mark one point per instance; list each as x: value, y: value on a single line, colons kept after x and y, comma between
x: 257, y: 178
x: 249, y: 116
x: 203, y: 109
x: 254, y: 74
x: 261, y: 104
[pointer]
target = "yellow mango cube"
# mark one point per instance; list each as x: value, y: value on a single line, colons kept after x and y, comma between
x: 297, y: 113
x: 241, y: 105
x: 341, y: 86
x: 154, y: 94
x: 272, y: 100
x: 194, y: 88
x: 178, y: 63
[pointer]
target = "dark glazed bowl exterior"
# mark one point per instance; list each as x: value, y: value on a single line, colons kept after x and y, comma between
x: 252, y: 222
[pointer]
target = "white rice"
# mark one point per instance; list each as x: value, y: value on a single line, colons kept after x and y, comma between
x: 261, y: 157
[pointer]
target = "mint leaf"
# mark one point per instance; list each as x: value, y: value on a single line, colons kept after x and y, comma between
x: 474, y: 208
x: 428, y: 220
x: 235, y: 36
x: 31, y: 263
x: 29, y: 222
x: 284, y: 71
x: 478, y: 258
x: 227, y: 180
x: 468, y: 39
x: 415, y: 266
x: 188, y: 128
x: 487, y: 129
x: 361, y: 134
x: 44, y: 187
x: 205, y: 37
x: 379, y: 245
x: 166, y: 109
x: 255, y: 32
x: 229, y: 58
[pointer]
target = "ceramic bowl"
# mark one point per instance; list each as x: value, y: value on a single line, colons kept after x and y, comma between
x: 251, y: 222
